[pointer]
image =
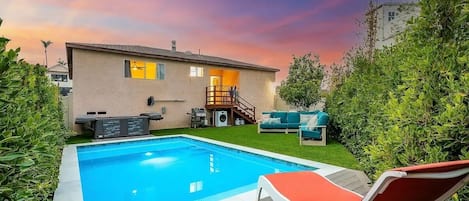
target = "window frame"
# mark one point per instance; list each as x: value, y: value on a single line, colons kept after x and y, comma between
x: 159, y: 75
x: 391, y: 15
x: 195, y: 71
x: 63, y: 78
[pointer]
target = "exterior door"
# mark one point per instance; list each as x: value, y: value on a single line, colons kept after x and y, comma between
x: 215, y: 89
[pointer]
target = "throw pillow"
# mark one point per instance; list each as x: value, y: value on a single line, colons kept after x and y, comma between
x: 312, y: 123
x: 304, y: 118
x: 275, y: 121
x: 271, y: 121
x: 266, y: 121
x: 265, y: 116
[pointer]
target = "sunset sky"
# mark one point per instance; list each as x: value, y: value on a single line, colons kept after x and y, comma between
x: 264, y: 32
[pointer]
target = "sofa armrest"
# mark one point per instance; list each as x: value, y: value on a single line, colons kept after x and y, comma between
x: 259, y: 126
x: 319, y: 126
x: 323, y: 134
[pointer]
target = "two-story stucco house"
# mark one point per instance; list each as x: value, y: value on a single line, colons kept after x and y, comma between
x: 125, y: 80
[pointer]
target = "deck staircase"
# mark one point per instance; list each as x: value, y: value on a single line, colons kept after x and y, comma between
x: 225, y: 98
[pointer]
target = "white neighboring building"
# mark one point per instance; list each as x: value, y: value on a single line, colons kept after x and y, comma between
x: 391, y: 19
x: 59, y: 76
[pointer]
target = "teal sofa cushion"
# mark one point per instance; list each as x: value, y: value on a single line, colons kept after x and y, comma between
x: 316, y: 134
x: 281, y: 115
x: 323, y: 118
x: 274, y: 126
x: 293, y: 117
x: 293, y: 125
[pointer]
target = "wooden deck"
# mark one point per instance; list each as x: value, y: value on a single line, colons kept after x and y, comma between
x: 224, y: 98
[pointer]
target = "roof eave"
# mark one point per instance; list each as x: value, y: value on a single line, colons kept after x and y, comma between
x: 70, y: 46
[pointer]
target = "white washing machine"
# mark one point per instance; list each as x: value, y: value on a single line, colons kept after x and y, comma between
x: 221, y: 118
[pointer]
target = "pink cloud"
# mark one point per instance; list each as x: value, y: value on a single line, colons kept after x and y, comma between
x: 240, y: 37
x: 316, y: 9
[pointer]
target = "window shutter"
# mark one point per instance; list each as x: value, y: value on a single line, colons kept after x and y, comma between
x: 127, y: 68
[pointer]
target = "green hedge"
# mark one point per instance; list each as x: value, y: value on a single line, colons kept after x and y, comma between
x: 31, y: 129
x: 411, y: 104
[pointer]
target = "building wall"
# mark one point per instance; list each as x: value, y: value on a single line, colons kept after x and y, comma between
x: 387, y: 30
x: 100, y: 85
x: 257, y: 87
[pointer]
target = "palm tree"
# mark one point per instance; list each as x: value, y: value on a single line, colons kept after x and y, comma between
x: 46, y: 44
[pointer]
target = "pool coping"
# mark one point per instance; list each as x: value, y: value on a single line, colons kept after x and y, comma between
x: 69, y: 187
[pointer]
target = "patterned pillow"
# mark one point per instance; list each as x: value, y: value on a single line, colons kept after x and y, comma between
x: 312, y: 123
x: 304, y: 118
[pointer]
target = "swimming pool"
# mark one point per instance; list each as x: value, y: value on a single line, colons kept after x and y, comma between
x: 174, y: 168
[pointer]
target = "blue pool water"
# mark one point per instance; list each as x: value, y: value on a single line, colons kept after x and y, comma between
x: 175, y: 168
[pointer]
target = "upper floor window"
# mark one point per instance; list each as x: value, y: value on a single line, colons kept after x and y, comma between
x: 391, y: 15
x: 144, y: 70
x: 196, y: 71
x: 161, y: 71
x: 59, y: 77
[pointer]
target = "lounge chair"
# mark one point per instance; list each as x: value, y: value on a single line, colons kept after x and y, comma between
x: 436, y: 181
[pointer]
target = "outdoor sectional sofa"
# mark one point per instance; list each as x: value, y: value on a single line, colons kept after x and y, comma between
x: 281, y: 121
x: 309, y: 132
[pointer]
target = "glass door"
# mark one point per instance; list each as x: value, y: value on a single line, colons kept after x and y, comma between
x: 215, y: 89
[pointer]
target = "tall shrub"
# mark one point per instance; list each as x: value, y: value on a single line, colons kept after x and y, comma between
x: 356, y: 106
x: 427, y: 114
x: 31, y: 129
x: 411, y: 104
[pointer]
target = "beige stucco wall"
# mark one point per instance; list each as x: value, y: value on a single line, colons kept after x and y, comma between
x: 257, y: 87
x: 100, y: 85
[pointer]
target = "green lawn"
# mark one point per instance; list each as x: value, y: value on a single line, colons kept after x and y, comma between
x: 77, y: 139
x: 334, y: 153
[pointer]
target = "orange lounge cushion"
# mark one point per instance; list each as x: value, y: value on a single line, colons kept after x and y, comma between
x: 307, y: 186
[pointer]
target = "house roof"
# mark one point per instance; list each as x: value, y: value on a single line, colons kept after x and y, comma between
x: 58, y: 68
x: 136, y: 50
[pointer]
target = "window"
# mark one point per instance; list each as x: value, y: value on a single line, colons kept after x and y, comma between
x: 391, y: 15
x: 59, y: 77
x: 196, y: 71
x: 144, y: 70
x: 161, y: 71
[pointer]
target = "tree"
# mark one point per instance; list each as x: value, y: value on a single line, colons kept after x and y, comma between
x: 303, y: 84
x: 61, y: 62
x: 46, y: 44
